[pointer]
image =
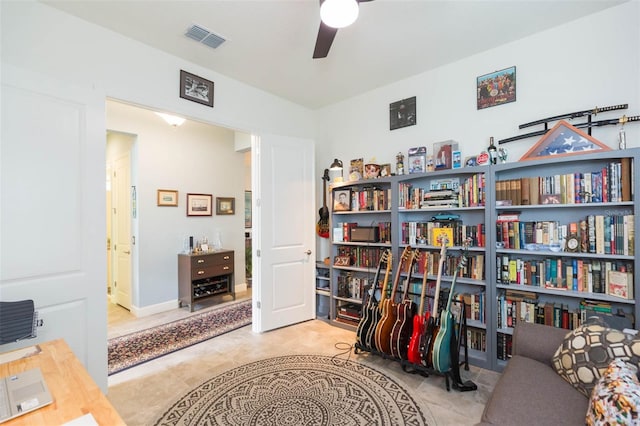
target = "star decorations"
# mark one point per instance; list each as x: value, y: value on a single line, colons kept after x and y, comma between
x: 563, y: 140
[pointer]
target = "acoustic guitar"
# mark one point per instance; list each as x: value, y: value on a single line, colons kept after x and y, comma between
x: 322, y: 228
x: 388, y: 309
x: 419, y: 321
x: 370, y: 309
x: 370, y: 337
x: 443, y: 341
x: 432, y: 326
x: 405, y: 311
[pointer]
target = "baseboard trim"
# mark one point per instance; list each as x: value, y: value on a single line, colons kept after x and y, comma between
x: 155, y: 309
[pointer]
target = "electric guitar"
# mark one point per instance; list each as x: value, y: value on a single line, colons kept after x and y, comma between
x: 419, y: 320
x: 388, y: 309
x: 432, y: 326
x: 370, y: 311
x: 405, y: 311
x: 443, y: 341
x: 323, y: 224
x: 370, y: 337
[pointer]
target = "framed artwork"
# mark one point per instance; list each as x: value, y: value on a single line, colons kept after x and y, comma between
x: 356, y: 169
x: 225, y: 205
x: 496, y: 88
x: 385, y: 170
x: 196, y: 89
x: 247, y: 209
x: 167, y: 197
x: 199, y: 204
x: 402, y: 113
x: 563, y: 140
x: 342, y: 200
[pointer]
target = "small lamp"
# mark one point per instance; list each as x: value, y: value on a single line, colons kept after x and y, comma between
x: 336, y: 167
x: 339, y: 13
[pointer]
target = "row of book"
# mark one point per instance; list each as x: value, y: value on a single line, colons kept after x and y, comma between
x: 349, y: 313
x: 351, y: 286
x: 474, y: 305
x: 370, y: 199
x: 361, y: 256
x: 582, y: 275
x: 477, y: 339
x: 342, y: 231
x: 600, y: 234
x: 611, y: 183
x: 473, y: 269
x: 413, y: 233
x: 470, y: 192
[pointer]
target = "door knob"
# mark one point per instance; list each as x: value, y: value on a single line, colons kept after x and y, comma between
x: 127, y: 252
x: 308, y: 252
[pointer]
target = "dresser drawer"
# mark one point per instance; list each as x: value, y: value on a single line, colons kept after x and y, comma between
x: 211, y: 271
x: 207, y: 260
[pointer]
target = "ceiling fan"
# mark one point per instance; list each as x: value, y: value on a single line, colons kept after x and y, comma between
x: 327, y: 33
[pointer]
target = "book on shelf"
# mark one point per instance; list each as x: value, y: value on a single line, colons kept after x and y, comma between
x: 620, y: 284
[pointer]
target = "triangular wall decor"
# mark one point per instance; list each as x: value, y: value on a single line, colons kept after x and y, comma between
x: 564, y: 140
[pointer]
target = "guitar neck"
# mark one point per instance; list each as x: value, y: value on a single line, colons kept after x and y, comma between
x: 424, y: 282
x: 383, y: 289
x: 436, y: 296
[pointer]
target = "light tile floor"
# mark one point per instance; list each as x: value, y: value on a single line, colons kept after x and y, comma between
x: 141, y: 394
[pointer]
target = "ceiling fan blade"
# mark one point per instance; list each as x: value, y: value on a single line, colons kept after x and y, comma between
x: 326, y: 34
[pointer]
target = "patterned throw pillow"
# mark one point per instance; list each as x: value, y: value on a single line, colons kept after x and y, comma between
x: 588, y: 350
x: 615, y: 399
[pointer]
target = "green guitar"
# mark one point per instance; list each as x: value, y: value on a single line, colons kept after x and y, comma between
x: 441, y: 357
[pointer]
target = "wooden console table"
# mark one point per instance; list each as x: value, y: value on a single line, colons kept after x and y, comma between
x: 203, y: 276
x: 74, y: 392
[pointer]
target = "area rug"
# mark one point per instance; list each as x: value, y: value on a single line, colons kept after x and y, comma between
x: 142, y: 346
x: 297, y: 390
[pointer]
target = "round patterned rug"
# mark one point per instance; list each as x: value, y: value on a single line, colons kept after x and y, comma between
x: 297, y: 390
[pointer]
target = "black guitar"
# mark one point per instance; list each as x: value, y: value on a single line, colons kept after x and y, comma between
x: 370, y: 310
x: 323, y: 224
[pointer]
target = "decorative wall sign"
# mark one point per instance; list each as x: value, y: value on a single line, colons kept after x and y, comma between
x: 496, y: 88
x: 564, y: 140
x: 196, y: 89
x: 402, y: 113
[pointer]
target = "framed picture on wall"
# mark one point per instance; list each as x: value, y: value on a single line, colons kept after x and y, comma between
x: 199, y: 204
x: 225, y: 205
x: 496, y: 88
x: 196, y: 89
x: 167, y: 197
x: 402, y: 113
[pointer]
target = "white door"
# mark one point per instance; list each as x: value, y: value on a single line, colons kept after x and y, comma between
x: 283, y: 171
x: 52, y: 210
x: 122, y: 232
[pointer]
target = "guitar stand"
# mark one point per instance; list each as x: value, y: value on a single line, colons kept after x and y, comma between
x: 452, y: 377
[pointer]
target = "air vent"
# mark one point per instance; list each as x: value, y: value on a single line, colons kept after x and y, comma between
x: 204, y: 36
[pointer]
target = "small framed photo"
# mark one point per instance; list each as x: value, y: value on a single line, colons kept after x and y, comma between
x: 342, y: 200
x: 456, y: 160
x: 402, y: 113
x: 167, y: 197
x: 496, y: 88
x: 385, y: 170
x: 196, y: 89
x: 225, y: 205
x: 199, y: 204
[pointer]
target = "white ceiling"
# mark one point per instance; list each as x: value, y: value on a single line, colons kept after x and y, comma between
x: 270, y: 42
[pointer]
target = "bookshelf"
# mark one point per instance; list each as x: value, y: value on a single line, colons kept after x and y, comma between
x: 504, y: 280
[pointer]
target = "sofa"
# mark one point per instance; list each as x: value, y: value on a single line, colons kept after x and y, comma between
x: 530, y: 391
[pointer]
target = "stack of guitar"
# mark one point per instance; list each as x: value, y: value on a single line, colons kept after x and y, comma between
x: 400, y: 329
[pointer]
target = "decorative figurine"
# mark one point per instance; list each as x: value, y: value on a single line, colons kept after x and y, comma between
x: 502, y: 155
x: 400, y: 164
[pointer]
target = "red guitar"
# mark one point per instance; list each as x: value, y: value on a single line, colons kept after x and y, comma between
x: 405, y: 311
x: 419, y: 320
x: 431, y: 329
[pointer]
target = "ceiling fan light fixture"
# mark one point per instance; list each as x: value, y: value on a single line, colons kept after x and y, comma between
x: 339, y: 13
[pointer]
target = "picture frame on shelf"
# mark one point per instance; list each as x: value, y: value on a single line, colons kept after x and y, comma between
x: 199, y: 204
x: 167, y: 198
x: 356, y: 169
x: 496, y: 88
x: 196, y: 89
x: 563, y: 140
x: 342, y: 200
x: 225, y: 205
x: 385, y: 170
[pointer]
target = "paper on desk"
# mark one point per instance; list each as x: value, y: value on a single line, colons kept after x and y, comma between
x: 86, y: 420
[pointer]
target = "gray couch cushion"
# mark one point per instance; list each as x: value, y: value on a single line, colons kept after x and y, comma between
x: 530, y: 392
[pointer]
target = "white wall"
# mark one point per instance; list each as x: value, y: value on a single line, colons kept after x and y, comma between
x: 593, y: 61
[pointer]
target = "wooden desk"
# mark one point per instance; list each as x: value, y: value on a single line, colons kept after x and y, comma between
x: 74, y: 392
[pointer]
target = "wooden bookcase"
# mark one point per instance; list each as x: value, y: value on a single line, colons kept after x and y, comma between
x: 488, y: 336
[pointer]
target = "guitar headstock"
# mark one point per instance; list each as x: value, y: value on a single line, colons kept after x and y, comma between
x: 386, y: 256
x: 465, y: 252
